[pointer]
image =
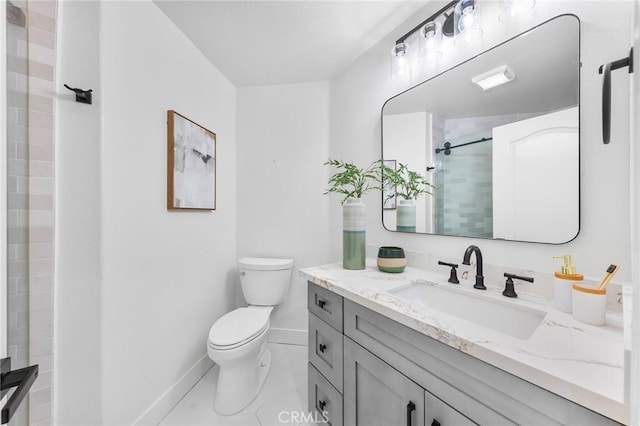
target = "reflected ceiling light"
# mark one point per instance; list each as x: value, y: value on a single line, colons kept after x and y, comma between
x: 510, y: 9
x: 495, y: 77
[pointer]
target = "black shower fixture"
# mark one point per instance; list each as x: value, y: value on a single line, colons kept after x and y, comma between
x: 448, y: 147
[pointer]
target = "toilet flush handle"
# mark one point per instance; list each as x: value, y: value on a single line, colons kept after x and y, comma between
x: 243, y: 273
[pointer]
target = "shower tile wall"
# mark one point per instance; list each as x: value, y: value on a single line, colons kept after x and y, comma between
x: 30, y: 157
x: 464, y: 200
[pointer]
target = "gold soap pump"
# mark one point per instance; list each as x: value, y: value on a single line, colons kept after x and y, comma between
x: 568, y: 268
x: 563, y: 283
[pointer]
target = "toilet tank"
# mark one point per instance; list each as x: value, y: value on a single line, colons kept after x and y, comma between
x: 265, y: 281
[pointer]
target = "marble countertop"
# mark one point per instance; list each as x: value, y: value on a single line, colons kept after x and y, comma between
x: 580, y: 362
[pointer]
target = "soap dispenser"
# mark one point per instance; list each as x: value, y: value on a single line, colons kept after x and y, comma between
x: 563, y: 283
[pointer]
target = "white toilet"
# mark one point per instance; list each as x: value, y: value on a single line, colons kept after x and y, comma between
x: 237, y: 341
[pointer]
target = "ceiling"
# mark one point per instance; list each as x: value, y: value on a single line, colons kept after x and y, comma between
x: 264, y: 42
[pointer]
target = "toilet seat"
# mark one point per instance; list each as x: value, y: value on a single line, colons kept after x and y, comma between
x: 238, y: 327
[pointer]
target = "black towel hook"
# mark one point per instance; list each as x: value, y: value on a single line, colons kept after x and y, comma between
x: 83, y: 96
x: 606, y: 91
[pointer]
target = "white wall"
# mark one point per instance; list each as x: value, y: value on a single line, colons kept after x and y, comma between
x: 78, y: 365
x: 634, y: 344
x: 358, y: 93
x: 283, y: 139
x: 157, y: 280
x: 407, y: 137
x: 165, y: 274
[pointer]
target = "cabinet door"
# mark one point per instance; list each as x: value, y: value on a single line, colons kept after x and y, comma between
x: 375, y: 394
x: 437, y: 413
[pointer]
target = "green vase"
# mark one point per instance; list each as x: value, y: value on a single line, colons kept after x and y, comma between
x: 354, y: 218
x: 406, y: 216
x: 391, y: 259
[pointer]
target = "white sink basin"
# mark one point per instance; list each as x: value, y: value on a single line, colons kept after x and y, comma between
x: 503, y: 316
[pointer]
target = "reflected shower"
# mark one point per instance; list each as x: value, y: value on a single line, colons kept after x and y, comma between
x: 448, y: 147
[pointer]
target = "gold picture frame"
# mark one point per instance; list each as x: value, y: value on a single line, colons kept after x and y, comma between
x: 191, y: 164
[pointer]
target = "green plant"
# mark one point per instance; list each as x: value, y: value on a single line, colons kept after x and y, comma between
x: 353, y: 181
x: 408, y: 184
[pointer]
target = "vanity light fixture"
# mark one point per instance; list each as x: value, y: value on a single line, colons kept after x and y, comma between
x: 430, y: 32
x: 495, y: 77
x: 460, y: 19
x: 445, y: 22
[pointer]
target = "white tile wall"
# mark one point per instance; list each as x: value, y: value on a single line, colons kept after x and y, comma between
x: 30, y: 85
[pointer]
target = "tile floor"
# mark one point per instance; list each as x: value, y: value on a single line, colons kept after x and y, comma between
x: 284, y: 392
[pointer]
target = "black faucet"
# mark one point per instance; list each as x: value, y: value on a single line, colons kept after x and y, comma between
x: 465, y: 261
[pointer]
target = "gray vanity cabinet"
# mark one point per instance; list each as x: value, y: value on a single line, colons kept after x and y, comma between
x: 366, y: 369
x: 438, y: 413
x: 460, y: 388
x: 375, y: 394
x: 325, y: 356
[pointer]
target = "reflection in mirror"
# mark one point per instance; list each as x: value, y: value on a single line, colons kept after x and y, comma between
x: 498, y: 137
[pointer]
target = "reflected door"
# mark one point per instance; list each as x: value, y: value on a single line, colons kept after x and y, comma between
x: 536, y: 178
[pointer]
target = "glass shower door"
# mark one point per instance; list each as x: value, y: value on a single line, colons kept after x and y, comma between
x: 17, y: 197
x: 463, y: 178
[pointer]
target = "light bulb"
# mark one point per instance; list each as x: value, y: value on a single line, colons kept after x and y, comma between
x: 431, y: 41
x: 468, y: 21
x: 399, y: 60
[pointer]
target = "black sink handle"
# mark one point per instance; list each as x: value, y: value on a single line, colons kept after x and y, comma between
x: 509, y: 290
x: 453, y: 276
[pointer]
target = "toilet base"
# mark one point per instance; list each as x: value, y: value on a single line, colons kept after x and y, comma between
x: 239, y: 384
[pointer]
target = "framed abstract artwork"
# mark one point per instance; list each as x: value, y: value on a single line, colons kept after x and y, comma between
x: 191, y: 165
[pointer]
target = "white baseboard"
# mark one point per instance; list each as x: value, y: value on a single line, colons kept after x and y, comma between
x: 288, y: 336
x: 163, y: 405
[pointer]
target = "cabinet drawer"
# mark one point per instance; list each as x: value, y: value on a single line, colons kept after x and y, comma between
x: 325, y: 402
x: 437, y: 413
x: 325, y: 350
x: 326, y: 305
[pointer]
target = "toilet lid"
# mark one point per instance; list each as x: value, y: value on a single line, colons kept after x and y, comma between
x: 264, y: 264
x: 239, y: 326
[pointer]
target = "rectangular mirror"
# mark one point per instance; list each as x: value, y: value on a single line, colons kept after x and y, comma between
x: 504, y: 161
